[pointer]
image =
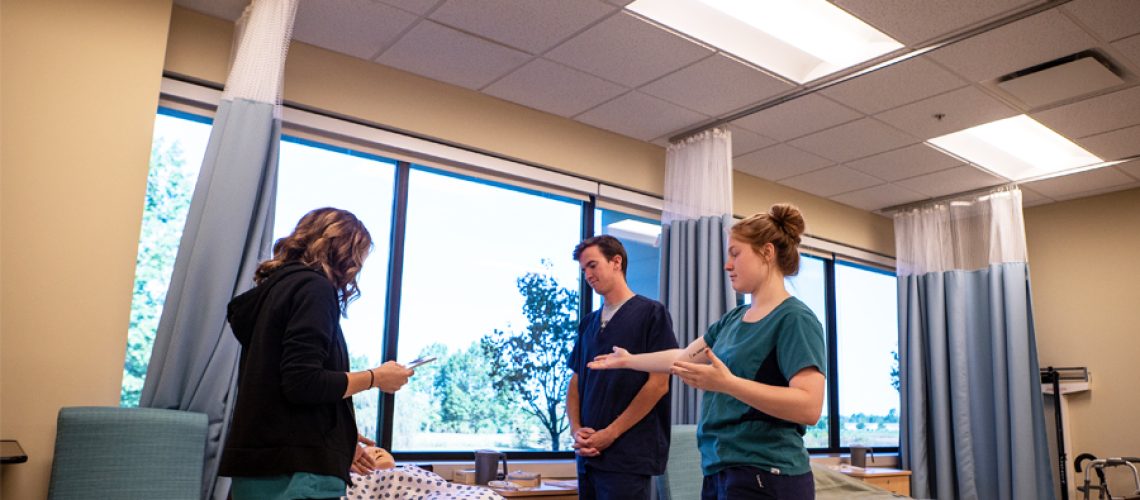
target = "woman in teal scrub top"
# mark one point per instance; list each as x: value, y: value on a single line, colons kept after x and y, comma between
x: 761, y: 365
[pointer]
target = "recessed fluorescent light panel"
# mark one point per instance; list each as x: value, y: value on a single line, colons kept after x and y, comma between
x: 1016, y: 148
x: 634, y: 230
x: 799, y: 39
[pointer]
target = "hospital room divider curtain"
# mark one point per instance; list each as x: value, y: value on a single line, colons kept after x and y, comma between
x: 698, y: 209
x: 228, y: 232
x: 973, y: 425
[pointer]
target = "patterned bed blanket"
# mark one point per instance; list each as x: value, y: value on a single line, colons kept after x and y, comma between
x: 408, y: 482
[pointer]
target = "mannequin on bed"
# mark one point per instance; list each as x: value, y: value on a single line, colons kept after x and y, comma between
x: 761, y: 365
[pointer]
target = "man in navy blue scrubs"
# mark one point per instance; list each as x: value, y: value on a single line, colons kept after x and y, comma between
x: 619, y: 418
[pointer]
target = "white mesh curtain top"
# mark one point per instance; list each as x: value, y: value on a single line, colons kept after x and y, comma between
x: 961, y: 234
x: 698, y: 176
x: 262, y: 37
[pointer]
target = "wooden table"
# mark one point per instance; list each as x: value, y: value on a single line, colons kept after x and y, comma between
x: 11, y: 452
x: 893, y: 480
x: 546, y: 492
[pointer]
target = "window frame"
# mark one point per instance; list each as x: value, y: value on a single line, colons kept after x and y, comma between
x: 880, y: 264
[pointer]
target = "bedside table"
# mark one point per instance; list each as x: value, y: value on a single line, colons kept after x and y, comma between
x: 893, y: 480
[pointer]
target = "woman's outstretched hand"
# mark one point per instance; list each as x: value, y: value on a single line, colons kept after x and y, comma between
x: 619, y: 359
x: 709, y: 377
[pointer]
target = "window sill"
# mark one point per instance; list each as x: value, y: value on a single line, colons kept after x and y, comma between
x: 549, y: 469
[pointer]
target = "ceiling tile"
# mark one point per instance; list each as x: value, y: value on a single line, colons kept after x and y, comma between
x: 1109, y: 19
x: 420, y: 7
x: 831, y: 181
x: 1113, y: 145
x: 716, y: 85
x: 640, y: 116
x: 1025, y: 43
x: 911, y: 161
x: 778, y: 162
x: 911, y: 22
x: 853, y: 140
x: 962, y: 109
x: 627, y: 50
x: 1131, y: 168
x: 798, y: 117
x: 444, y: 54
x: 877, y: 197
x: 359, y: 28
x: 224, y: 9
x: 553, y: 88
x: 1076, y: 185
x: 894, y: 86
x: 952, y: 181
x: 1093, y: 116
x: 1130, y: 48
x: 746, y: 141
x: 524, y: 24
x: 1031, y: 198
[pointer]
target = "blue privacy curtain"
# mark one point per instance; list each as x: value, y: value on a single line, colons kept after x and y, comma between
x: 973, y: 425
x: 698, y: 208
x: 228, y: 231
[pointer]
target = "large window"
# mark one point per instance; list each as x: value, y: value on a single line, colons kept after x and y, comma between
x: 476, y: 270
x: 490, y: 288
x: 176, y: 156
x: 866, y: 311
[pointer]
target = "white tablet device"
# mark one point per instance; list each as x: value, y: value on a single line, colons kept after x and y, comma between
x: 420, y: 361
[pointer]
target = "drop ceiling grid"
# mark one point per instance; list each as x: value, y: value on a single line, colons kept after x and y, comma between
x: 594, y: 62
x: 1110, y: 19
x: 362, y: 26
x: 913, y: 23
x: 533, y: 27
x: 1076, y: 185
x: 1096, y: 115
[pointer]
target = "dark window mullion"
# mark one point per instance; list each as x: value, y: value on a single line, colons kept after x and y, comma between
x: 395, y: 282
x: 832, y: 355
x: 585, y: 293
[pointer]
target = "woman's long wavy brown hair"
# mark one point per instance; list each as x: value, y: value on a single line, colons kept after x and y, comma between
x: 329, y: 240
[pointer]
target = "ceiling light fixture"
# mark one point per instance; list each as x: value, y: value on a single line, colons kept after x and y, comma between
x: 801, y: 40
x: 635, y: 230
x: 1016, y: 148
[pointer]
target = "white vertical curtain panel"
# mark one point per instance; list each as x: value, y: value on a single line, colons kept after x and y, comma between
x: 972, y: 421
x: 228, y: 231
x: 698, y: 209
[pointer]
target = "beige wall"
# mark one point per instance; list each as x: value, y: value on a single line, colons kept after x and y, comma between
x: 1085, y: 270
x: 79, y: 87
x: 824, y: 218
x: 80, y: 83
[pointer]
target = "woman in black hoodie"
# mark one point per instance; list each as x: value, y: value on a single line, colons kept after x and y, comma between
x: 294, y: 433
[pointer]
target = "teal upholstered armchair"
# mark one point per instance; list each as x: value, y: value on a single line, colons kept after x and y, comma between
x: 127, y: 453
